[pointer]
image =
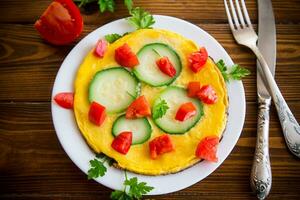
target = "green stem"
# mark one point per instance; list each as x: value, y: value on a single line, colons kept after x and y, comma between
x: 126, y: 178
x: 133, y: 97
x: 156, y: 52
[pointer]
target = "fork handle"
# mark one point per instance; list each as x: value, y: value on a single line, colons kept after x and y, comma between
x: 289, y: 125
x: 261, y: 176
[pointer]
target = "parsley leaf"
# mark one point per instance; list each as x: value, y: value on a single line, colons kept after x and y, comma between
x: 136, y: 189
x: 222, y: 67
x: 120, y: 195
x: 128, y: 4
x: 160, y: 109
x: 237, y: 72
x: 97, y: 169
x: 106, y: 5
x: 111, y: 38
x: 140, y: 18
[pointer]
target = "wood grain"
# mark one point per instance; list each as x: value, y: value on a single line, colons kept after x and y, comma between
x: 33, y: 165
x: 199, y: 11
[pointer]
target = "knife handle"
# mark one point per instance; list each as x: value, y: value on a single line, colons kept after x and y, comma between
x: 289, y: 124
x: 261, y: 176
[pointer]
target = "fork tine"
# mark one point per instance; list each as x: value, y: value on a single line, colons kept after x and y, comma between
x: 229, y: 16
x: 241, y: 18
x: 236, y: 21
x: 246, y: 14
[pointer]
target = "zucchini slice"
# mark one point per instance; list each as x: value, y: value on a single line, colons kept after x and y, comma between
x: 140, y: 128
x: 148, y: 72
x: 175, y: 97
x: 115, y: 88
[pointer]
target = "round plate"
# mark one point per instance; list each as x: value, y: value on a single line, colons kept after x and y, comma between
x: 80, y: 153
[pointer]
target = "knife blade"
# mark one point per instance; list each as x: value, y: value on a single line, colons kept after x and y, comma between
x: 261, y: 175
x: 266, y: 42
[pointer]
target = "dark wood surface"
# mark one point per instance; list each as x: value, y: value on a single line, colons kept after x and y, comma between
x: 33, y: 165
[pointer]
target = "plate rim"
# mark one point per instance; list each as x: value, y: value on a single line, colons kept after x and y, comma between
x: 106, y: 181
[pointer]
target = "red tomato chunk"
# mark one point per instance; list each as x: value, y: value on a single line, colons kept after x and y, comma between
x: 138, y: 108
x: 61, y: 23
x: 125, y: 57
x: 207, y: 148
x: 122, y: 142
x: 160, y: 145
x: 198, y: 59
x: 65, y: 99
x: 186, y: 111
x: 165, y: 66
x: 207, y: 94
x: 97, y: 113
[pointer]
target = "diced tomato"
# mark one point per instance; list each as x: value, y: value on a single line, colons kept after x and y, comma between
x: 198, y: 59
x: 122, y: 142
x: 207, y: 148
x: 125, y: 57
x: 65, y: 99
x: 186, y: 111
x: 100, y: 48
x: 61, y: 23
x: 97, y: 113
x: 193, y: 88
x: 160, y: 145
x: 138, y: 108
x: 207, y: 94
x: 165, y: 65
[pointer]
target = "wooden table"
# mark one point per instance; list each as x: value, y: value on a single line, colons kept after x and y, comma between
x: 33, y: 164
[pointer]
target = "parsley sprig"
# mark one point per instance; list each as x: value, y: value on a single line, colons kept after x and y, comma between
x: 132, y: 189
x: 140, y: 18
x: 160, y: 109
x: 237, y: 72
x: 104, y: 5
x: 97, y: 166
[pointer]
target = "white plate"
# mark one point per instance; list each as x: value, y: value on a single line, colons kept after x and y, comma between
x: 80, y: 153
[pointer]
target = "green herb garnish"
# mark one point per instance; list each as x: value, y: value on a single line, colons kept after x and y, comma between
x: 97, y: 166
x: 160, y: 109
x: 140, y: 18
x: 237, y: 72
x: 132, y: 189
x: 128, y: 4
x: 104, y: 5
x: 111, y: 38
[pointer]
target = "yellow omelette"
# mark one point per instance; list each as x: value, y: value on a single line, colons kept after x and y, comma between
x: 138, y: 160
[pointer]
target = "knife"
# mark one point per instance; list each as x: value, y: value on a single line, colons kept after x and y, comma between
x: 261, y: 175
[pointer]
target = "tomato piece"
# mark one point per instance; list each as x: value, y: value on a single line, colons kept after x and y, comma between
x: 160, y: 145
x: 165, y: 65
x: 207, y: 148
x: 125, y: 57
x: 122, y: 142
x: 207, y: 94
x: 198, y: 59
x: 65, y: 99
x: 61, y: 23
x: 186, y: 111
x: 138, y: 108
x: 100, y: 48
x: 97, y: 113
x: 193, y: 88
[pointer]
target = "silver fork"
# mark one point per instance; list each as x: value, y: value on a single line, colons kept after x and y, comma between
x: 244, y: 34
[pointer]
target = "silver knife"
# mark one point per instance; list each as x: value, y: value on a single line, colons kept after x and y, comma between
x: 261, y: 175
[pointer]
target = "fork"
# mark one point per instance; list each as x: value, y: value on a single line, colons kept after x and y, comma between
x: 245, y: 35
